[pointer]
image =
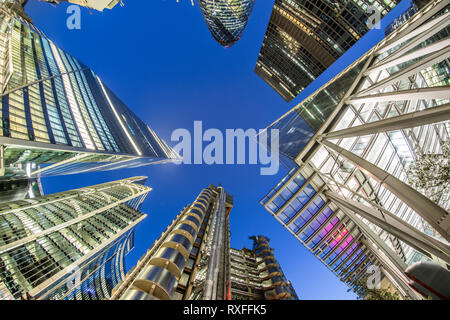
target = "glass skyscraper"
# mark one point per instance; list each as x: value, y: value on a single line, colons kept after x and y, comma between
x: 305, y: 37
x: 192, y: 260
x: 58, y: 114
x: 226, y: 19
x: 69, y: 245
x: 348, y: 198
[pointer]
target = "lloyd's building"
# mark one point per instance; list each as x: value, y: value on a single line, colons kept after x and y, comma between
x: 193, y: 260
x: 349, y: 196
x: 57, y: 115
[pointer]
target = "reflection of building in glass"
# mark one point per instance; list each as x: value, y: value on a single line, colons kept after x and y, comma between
x: 69, y: 245
x: 192, y: 260
x: 55, y: 112
x: 226, y: 19
x: 348, y: 199
x: 415, y: 6
x: 304, y: 37
x: 19, y: 189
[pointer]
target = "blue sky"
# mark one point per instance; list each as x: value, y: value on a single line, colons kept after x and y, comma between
x: 160, y: 59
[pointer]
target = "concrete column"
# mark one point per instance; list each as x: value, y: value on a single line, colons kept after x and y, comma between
x: 307, y: 204
x: 308, y: 223
x: 408, y: 56
x: 307, y: 182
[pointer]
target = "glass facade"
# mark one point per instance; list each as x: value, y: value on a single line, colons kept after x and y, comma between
x: 304, y: 37
x: 55, y: 110
x: 69, y: 245
x: 359, y: 124
x: 226, y: 19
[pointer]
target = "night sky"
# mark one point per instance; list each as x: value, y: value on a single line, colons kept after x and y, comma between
x: 160, y: 59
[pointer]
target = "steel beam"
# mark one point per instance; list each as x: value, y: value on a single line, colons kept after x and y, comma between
x: 408, y: 120
x: 289, y: 201
x: 409, y: 56
x: 415, y: 28
x: 397, y: 227
x: 324, y: 224
x: 429, y: 93
x: 436, y: 216
x: 411, y: 70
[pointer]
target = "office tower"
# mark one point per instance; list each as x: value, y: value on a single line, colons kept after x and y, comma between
x: 58, y: 114
x: 226, y: 19
x: 256, y: 274
x: 305, y: 37
x: 192, y: 260
x: 99, y: 5
x: 348, y: 197
x: 69, y: 245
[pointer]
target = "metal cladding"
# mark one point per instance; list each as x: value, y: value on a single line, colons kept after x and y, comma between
x: 280, y: 288
x: 159, y: 278
x: 226, y: 20
x: 58, y: 115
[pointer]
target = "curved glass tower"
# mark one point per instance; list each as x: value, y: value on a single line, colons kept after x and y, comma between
x: 56, y: 113
x: 69, y: 245
x: 226, y: 19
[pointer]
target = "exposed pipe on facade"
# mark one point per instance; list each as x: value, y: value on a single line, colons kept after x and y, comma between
x: 216, y: 249
x: 159, y: 279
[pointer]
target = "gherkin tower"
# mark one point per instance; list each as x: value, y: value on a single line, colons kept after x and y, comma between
x: 226, y: 19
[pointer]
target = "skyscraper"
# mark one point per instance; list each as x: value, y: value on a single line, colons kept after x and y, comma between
x: 226, y: 19
x: 256, y: 274
x: 69, y: 245
x: 348, y: 197
x: 192, y: 260
x: 305, y: 37
x: 57, y: 113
